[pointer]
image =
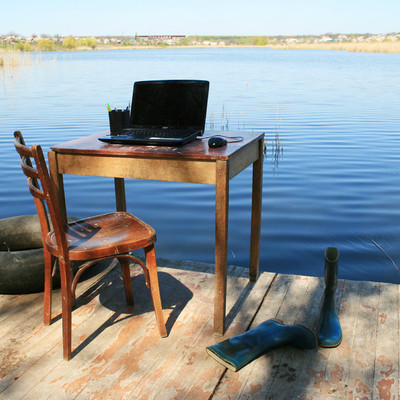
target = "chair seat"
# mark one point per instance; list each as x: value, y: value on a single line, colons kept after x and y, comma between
x: 104, y: 235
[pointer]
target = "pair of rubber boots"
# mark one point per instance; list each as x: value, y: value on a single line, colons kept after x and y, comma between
x: 236, y: 352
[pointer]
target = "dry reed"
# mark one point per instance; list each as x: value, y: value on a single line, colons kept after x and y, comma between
x: 366, y: 47
x: 14, y: 60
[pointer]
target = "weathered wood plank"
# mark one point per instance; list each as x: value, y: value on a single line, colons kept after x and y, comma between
x: 334, y: 373
x: 11, y: 312
x: 188, y: 357
x: 204, y: 379
x: 312, y: 374
x: 11, y: 305
x: 386, y: 372
x: 128, y: 356
x: 359, y: 380
x: 290, y: 372
x: 25, y: 312
x: 335, y: 368
x: 22, y: 354
x: 286, y: 362
x: 148, y: 367
x: 250, y: 379
x: 99, y: 329
x: 120, y: 355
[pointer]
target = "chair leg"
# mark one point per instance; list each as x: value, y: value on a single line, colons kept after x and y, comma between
x: 126, y: 276
x: 151, y: 263
x: 48, y: 286
x: 66, y: 282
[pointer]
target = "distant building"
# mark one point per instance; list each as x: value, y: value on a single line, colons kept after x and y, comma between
x: 160, y: 39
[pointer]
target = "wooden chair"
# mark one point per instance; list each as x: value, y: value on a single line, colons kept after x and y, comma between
x: 92, y: 239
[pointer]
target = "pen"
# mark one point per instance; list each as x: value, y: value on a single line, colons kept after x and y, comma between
x: 108, y: 107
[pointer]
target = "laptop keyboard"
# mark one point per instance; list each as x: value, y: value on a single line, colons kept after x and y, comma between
x: 146, y: 133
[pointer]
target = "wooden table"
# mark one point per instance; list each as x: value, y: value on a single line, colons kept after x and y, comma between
x: 194, y: 162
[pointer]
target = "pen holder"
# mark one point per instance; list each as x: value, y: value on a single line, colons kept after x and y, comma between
x: 119, y: 119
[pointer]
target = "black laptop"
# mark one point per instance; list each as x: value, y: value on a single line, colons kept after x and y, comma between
x: 167, y: 112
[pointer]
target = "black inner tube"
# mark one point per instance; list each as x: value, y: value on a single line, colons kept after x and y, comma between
x: 22, y: 257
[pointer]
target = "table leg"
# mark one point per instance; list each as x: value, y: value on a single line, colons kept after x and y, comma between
x: 256, y: 213
x: 120, y: 194
x: 58, y: 183
x: 221, y: 244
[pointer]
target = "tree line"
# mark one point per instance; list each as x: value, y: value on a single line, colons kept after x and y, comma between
x: 48, y: 44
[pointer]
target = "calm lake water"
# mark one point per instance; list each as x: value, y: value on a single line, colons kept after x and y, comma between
x: 331, y: 173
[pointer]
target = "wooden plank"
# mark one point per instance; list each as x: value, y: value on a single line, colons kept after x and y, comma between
x: 96, y: 329
x: 203, y: 375
x: 284, y: 364
x: 189, y: 348
x: 120, y: 355
x: 386, y: 371
x: 241, y: 323
x: 311, y: 375
x: 340, y: 361
x: 159, y: 364
x: 361, y: 372
x: 175, y: 373
x: 183, y: 265
x: 252, y: 298
x: 13, y: 306
x: 130, y: 350
x: 30, y: 306
x: 10, y: 301
x: 250, y: 379
x: 290, y: 379
x: 21, y: 352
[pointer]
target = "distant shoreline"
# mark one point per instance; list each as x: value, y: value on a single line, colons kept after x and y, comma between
x: 365, y: 47
x: 352, y: 42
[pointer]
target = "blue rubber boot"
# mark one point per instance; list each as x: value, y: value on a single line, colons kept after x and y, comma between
x: 330, y: 331
x: 238, y: 351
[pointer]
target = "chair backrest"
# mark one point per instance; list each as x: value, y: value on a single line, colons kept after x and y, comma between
x: 42, y: 190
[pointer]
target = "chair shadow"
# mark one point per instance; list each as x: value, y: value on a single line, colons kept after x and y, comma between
x: 174, y: 296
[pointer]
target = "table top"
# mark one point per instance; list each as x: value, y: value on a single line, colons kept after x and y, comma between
x: 195, y: 150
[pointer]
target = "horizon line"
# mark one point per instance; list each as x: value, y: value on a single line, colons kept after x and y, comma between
x: 208, y: 35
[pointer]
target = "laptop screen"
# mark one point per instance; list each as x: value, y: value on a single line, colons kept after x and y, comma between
x: 169, y: 103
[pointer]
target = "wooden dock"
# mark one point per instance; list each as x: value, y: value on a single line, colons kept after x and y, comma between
x: 121, y: 356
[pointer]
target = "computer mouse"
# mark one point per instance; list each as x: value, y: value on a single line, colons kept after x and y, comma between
x: 216, y: 141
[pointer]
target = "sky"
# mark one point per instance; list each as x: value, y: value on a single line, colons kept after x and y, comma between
x: 199, y: 17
